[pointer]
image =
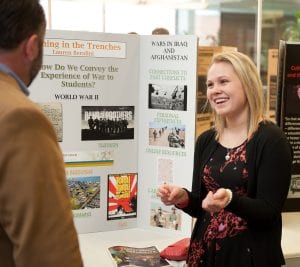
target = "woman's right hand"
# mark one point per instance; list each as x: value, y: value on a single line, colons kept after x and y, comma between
x: 171, y: 194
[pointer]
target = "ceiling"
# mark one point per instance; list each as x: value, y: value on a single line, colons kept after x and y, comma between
x: 286, y: 6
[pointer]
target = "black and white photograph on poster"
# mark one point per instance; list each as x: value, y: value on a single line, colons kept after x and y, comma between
x: 165, y: 216
x: 295, y: 187
x: 169, y: 135
x: 170, y: 97
x: 84, y: 192
x: 54, y: 112
x: 107, y: 122
x: 165, y: 170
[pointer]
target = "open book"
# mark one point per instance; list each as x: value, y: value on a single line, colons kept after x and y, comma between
x: 132, y: 256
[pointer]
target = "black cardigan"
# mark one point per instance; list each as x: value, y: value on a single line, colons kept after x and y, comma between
x: 269, y: 159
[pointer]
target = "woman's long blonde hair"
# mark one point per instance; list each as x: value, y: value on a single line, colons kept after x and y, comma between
x: 247, y: 72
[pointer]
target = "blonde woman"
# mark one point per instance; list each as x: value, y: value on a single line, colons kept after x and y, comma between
x: 241, y: 177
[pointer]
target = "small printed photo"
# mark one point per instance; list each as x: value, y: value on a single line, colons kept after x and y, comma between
x: 84, y: 192
x: 168, y: 135
x: 122, y: 196
x: 165, y: 216
x: 170, y: 97
x: 107, y: 122
x: 295, y: 187
x: 54, y: 112
x: 165, y: 170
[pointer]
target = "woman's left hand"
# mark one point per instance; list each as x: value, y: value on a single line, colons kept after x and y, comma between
x: 215, y: 202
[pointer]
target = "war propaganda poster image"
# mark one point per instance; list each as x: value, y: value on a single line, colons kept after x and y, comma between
x: 170, y: 97
x: 107, y: 122
x: 122, y: 196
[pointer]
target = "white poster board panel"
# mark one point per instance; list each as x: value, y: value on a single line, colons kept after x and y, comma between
x: 167, y: 96
x: 88, y: 86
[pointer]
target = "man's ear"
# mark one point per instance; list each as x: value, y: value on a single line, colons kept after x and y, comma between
x: 31, y: 48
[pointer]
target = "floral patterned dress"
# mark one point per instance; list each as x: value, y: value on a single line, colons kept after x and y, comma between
x: 220, y: 239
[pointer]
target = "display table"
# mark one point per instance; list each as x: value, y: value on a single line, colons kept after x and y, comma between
x: 94, y: 245
x: 291, y: 236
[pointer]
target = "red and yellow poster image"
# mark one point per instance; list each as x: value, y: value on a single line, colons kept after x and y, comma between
x: 122, y: 196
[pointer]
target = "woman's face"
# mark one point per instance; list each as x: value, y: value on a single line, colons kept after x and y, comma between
x: 225, y: 91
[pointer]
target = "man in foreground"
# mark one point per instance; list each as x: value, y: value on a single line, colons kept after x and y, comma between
x: 36, y: 222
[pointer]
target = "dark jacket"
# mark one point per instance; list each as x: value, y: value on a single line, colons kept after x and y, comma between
x: 269, y: 159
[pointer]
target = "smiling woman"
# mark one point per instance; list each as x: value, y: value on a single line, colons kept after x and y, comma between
x: 227, y: 98
x: 237, y: 212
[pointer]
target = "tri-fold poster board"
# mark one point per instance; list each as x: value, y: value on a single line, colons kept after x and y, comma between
x: 123, y: 107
